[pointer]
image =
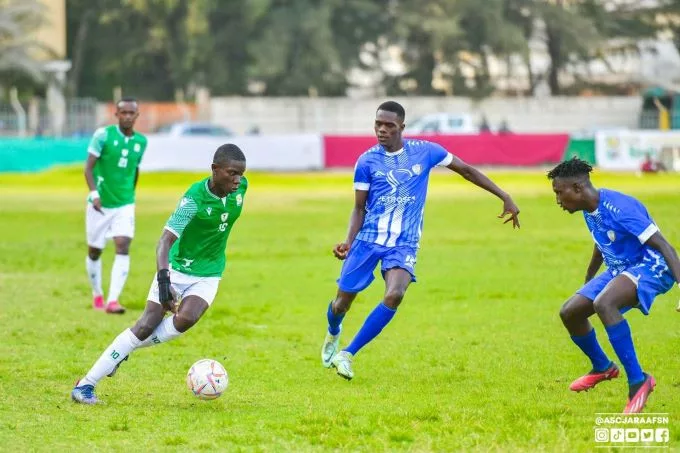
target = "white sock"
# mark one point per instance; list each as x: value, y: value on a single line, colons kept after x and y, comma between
x: 94, y: 273
x: 119, y: 273
x: 121, y: 347
x: 164, y: 332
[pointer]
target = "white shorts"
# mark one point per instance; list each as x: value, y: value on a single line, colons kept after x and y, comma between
x: 112, y: 223
x: 188, y: 285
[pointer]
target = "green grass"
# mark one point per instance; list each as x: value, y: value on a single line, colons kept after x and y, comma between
x: 476, y: 359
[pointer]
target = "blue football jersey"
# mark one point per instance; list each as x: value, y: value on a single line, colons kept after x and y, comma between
x: 620, y: 226
x: 397, y: 186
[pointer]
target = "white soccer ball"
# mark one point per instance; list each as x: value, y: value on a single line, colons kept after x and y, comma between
x: 207, y: 379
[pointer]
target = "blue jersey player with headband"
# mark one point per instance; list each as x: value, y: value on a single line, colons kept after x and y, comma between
x: 390, y: 183
x: 641, y: 264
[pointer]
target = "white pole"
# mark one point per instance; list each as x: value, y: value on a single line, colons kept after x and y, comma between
x: 19, y: 110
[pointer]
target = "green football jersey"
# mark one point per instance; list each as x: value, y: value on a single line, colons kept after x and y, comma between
x: 202, y: 222
x: 118, y: 159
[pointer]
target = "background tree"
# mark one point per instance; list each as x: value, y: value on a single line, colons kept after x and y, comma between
x: 18, y: 50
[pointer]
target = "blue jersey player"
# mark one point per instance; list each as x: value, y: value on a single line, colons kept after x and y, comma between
x: 641, y: 264
x: 390, y: 183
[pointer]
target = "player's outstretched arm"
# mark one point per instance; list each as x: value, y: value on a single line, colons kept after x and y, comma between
x: 658, y: 242
x: 480, y: 179
x: 595, y: 263
x: 356, y: 221
x: 91, y: 184
x: 165, y: 295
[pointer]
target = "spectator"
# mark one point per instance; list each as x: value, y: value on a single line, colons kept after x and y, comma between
x: 651, y: 166
x: 503, y: 128
x: 484, y: 125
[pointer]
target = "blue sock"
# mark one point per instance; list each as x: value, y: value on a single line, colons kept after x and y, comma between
x: 374, y: 324
x: 622, y: 342
x: 590, y: 347
x: 334, y: 321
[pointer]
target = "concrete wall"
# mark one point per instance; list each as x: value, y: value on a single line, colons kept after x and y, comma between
x: 353, y: 116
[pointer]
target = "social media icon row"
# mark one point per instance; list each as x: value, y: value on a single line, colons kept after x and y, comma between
x: 631, y: 435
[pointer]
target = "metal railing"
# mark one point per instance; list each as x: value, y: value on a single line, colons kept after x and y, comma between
x: 34, y: 118
x: 649, y: 119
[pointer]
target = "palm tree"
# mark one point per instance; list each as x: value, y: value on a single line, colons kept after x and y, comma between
x: 18, y: 18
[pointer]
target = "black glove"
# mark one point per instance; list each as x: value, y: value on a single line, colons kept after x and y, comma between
x: 164, y: 293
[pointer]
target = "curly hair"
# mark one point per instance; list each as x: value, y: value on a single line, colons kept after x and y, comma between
x: 570, y: 168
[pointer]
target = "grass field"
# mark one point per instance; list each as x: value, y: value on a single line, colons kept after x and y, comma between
x: 476, y: 358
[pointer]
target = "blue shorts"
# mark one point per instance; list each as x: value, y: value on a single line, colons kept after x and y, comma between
x: 357, y: 270
x: 650, y: 278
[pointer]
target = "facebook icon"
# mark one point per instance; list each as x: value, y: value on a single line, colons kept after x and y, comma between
x: 661, y: 435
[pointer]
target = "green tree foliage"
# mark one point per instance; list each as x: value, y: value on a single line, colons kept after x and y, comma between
x: 159, y: 48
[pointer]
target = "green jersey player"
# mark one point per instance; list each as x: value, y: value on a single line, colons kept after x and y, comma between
x: 190, y: 260
x: 111, y: 172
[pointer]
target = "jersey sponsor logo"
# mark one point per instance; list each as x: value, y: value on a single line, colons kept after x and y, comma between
x: 397, y: 177
x: 392, y: 199
x: 239, y: 199
x: 208, y: 210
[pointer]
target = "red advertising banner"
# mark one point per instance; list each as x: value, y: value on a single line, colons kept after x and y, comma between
x: 483, y: 149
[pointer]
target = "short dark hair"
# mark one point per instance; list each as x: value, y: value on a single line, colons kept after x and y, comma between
x: 394, y: 107
x: 573, y: 167
x: 126, y: 99
x: 228, y: 152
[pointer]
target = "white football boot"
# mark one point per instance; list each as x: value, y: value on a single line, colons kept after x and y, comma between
x: 331, y: 346
x: 343, y: 364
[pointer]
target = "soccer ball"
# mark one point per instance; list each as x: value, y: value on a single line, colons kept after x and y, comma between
x: 207, y: 379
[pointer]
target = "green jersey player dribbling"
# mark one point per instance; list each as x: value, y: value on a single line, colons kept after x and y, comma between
x: 190, y: 260
x: 111, y: 173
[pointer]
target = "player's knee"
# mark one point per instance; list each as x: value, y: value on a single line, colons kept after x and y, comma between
x: 184, y: 321
x: 567, y: 312
x: 123, y: 249
x: 94, y: 254
x: 393, y: 298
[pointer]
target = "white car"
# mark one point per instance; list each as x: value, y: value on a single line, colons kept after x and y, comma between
x: 442, y: 123
x: 194, y: 129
